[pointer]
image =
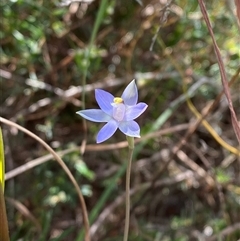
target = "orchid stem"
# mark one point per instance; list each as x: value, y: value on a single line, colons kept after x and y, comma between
x: 128, y: 174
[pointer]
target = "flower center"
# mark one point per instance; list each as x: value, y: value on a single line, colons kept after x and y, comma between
x: 118, y: 109
x: 118, y: 100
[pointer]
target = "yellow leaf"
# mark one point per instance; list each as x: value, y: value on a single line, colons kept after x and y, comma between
x: 2, y: 167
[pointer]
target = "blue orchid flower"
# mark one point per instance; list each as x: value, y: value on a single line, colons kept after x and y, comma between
x: 118, y: 112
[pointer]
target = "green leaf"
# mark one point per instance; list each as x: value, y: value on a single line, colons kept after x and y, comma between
x: 82, y: 168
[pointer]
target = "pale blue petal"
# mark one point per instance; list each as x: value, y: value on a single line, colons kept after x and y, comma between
x: 134, y: 111
x: 119, y: 111
x: 95, y: 115
x: 130, y: 94
x: 104, y: 100
x: 130, y: 128
x: 107, y: 131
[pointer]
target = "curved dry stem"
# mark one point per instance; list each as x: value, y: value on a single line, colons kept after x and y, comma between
x: 62, y: 164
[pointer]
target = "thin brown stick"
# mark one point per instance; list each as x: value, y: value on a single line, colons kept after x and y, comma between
x: 63, y: 165
x: 237, y: 3
x: 195, y: 167
x: 25, y: 212
x: 235, y: 123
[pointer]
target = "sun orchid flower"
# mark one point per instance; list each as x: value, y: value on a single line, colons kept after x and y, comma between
x: 118, y: 112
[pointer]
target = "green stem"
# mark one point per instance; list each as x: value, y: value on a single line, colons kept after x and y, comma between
x: 128, y: 175
x: 99, y: 19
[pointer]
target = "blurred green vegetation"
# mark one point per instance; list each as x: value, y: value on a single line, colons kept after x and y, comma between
x: 44, y: 45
